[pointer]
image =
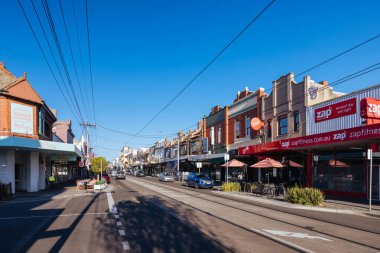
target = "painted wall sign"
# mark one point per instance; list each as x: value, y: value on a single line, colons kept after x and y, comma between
x: 370, y: 108
x: 336, y: 110
x: 21, y: 119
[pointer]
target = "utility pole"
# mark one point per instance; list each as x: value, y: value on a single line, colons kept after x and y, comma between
x: 178, y: 156
x: 87, y: 125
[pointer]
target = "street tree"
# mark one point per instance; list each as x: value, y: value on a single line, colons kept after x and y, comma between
x: 99, y: 163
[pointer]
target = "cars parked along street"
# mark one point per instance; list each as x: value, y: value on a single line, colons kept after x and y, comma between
x: 165, y: 177
x: 199, y: 181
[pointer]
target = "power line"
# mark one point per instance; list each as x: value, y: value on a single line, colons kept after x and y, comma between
x: 46, y: 60
x: 90, y: 61
x: 72, y: 57
x: 57, y: 43
x: 205, y: 68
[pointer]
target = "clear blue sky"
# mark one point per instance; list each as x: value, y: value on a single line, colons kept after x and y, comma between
x: 144, y: 52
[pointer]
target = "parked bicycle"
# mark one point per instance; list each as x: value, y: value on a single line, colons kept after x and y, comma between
x: 276, y: 191
x: 262, y: 189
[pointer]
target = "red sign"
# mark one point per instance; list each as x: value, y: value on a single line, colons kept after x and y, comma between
x: 370, y: 108
x: 260, y: 148
x: 351, y: 134
x: 81, y: 164
x: 340, y: 109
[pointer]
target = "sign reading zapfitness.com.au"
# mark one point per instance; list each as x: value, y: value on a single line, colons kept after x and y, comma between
x: 21, y: 119
x: 344, y: 108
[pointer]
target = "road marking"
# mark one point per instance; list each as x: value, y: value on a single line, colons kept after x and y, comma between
x: 135, y: 200
x: 295, y: 235
x: 126, y: 246
x: 122, y: 232
x: 179, y: 196
x: 120, y: 187
x: 111, y: 203
x: 118, y: 223
x: 47, y: 216
x: 117, y: 216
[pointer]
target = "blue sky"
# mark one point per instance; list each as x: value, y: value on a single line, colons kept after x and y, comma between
x: 145, y: 52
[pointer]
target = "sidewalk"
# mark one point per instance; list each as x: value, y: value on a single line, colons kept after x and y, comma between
x: 61, y: 190
x: 333, y: 205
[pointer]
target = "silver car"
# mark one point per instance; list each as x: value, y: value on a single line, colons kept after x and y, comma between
x: 165, y: 177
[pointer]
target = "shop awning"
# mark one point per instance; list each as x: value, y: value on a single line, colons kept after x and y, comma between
x: 52, y: 147
x: 234, y: 163
x: 291, y: 163
x: 267, y: 163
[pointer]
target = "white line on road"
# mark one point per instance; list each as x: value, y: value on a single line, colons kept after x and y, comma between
x: 126, y: 246
x: 296, y: 235
x: 122, y: 232
x: 111, y: 203
x: 118, y: 223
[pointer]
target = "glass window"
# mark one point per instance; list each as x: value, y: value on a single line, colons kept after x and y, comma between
x: 237, y: 129
x: 296, y: 118
x: 247, y: 126
x: 343, y: 172
x: 269, y: 129
x: 219, y: 134
x: 41, y: 125
x: 283, y: 126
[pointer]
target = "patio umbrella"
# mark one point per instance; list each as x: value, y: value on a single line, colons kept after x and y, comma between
x: 293, y: 164
x: 267, y: 163
x: 234, y: 163
x: 338, y: 164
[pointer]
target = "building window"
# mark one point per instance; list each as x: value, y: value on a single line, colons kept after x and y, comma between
x: 247, y: 126
x: 283, y: 126
x: 296, y: 118
x: 269, y: 128
x: 219, y: 134
x: 237, y: 129
x: 41, y: 122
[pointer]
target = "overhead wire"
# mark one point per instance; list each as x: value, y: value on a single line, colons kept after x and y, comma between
x: 59, y: 49
x: 205, y: 67
x: 46, y: 60
x: 72, y: 57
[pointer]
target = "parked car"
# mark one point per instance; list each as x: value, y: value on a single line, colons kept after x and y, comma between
x: 113, y: 173
x: 120, y: 175
x: 140, y: 174
x: 129, y: 172
x: 199, y: 181
x: 165, y: 177
x: 106, y: 177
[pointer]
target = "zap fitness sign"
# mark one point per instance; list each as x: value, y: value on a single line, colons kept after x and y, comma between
x: 340, y: 109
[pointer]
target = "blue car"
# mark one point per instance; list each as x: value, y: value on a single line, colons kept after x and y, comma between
x: 199, y: 181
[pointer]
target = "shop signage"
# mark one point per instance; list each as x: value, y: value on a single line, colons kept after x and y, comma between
x: 351, y: 134
x: 340, y: 109
x: 256, y: 124
x: 21, y: 119
x: 370, y: 108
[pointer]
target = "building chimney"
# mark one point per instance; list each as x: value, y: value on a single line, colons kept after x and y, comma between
x: 324, y: 83
x: 24, y: 76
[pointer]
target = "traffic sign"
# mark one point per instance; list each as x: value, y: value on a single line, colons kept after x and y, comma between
x: 81, y: 164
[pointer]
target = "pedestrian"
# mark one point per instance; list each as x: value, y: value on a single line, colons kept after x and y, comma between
x: 50, y: 181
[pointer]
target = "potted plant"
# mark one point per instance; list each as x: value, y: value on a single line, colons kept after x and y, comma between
x: 100, y: 185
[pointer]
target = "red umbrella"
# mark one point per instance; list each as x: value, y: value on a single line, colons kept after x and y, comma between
x: 293, y: 164
x: 234, y: 163
x: 267, y: 163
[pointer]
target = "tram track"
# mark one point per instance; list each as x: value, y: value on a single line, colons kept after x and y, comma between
x: 309, y: 228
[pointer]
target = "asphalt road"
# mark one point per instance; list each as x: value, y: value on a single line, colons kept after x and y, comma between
x: 138, y: 215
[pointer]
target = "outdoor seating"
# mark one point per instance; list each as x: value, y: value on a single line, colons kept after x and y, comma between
x: 91, y: 184
x: 80, y: 185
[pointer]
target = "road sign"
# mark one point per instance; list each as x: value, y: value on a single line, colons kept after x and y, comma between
x: 81, y: 164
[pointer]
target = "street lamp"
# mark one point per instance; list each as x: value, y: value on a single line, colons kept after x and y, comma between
x: 226, y: 159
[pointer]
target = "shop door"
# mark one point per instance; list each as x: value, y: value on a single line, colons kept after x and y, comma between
x: 376, y: 182
x: 20, y: 178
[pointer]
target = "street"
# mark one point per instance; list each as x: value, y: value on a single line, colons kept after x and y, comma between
x: 143, y: 215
